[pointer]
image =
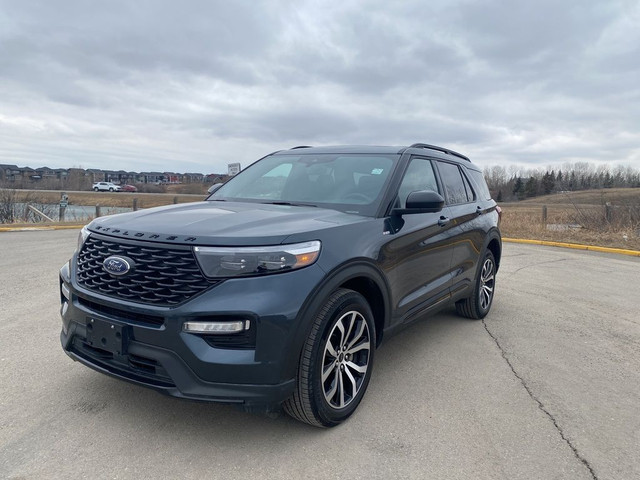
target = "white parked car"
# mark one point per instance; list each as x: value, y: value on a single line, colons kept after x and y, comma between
x: 106, y: 187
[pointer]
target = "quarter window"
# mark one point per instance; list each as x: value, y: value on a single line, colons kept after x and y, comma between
x: 480, y: 182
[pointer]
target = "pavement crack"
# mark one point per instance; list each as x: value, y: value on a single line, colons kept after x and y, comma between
x: 541, y: 405
x: 539, y: 263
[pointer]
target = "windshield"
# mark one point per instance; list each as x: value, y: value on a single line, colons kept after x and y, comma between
x: 351, y: 183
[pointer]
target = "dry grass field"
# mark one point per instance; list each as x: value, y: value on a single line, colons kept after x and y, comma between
x: 578, y: 217
x: 574, y: 217
x: 110, y: 199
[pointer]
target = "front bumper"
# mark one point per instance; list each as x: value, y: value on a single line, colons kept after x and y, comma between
x: 152, y: 350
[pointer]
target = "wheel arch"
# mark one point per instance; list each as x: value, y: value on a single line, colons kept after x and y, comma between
x: 372, y: 293
x: 494, y: 243
x: 361, y: 276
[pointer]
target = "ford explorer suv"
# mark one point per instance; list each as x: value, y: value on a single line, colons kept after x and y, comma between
x: 277, y: 290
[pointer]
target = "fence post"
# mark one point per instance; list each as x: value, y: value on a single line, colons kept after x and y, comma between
x: 135, y: 204
x: 97, y: 210
x: 544, y: 215
x: 607, y: 212
x: 61, y: 214
x: 175, y: 200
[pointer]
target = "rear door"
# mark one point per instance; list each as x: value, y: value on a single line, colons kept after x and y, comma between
x: 462, y: 202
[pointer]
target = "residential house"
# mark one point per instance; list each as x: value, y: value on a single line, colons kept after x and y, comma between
x: 96, y: 175
x: 193, y: 177
x: 153, y: 177
x: 9, y: 173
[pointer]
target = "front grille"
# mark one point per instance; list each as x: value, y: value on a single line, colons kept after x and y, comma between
x: 163, y: 275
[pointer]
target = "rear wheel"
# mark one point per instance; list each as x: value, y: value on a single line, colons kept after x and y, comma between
x: 479, y: 303
x: 336, y: 361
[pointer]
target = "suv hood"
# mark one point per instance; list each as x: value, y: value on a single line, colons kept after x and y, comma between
x: 222, y: 223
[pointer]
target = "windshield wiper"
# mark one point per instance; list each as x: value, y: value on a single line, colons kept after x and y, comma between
x: 290, y: 204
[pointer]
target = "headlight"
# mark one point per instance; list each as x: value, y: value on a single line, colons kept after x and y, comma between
x: 82, y: 237
x: 223, y: 262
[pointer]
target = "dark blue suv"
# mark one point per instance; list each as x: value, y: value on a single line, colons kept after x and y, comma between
x: 278, y: 288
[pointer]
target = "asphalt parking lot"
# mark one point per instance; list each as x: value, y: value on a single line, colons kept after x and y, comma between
x: 548, y: 387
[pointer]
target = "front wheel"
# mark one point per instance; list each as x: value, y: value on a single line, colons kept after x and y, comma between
x: 479, y: 303
x: 336, y: 361
x: 96, y: 189
x: 111, y: 189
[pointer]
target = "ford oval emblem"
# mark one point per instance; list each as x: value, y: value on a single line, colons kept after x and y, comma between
x: 117, y: 265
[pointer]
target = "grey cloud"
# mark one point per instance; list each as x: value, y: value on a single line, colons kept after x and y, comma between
x: 194, y: 83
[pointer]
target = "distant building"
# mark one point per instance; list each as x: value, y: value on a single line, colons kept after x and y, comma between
x: 9, y: 173
x: 23, y: 175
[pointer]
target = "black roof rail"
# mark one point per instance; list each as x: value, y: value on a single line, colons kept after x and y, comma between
x: 301, y: 146
x: 439, y: 149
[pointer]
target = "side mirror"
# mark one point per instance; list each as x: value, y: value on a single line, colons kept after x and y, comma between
x: 421, y: 201
x: 214, y: 187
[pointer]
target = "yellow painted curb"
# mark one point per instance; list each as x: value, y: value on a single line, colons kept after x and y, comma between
x: 633, y: 253
x: 40, y: 227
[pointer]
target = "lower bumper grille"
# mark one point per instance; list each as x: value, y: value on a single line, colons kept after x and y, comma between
x: 133, y: 367
x: 144, y: 319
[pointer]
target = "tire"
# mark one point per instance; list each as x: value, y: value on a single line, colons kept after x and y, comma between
x: 346, y: 371
x: 479, y: 303
x: 96, y: 189
x: 111, y: 189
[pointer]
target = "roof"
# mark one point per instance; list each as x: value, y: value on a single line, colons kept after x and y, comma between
x: 433, y: 150
x: 342, y: 149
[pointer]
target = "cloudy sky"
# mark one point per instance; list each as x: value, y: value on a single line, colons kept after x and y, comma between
x: 194, y: 85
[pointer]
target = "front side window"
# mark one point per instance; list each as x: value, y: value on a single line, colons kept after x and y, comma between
x: 352, y: 183
x: 419, y: 176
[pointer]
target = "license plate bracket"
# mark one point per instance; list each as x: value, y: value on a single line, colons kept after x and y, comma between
x: 107, y: 336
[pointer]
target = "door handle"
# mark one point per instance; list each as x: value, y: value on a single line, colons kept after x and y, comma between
x: 443, y: 221
x: 479, y: 210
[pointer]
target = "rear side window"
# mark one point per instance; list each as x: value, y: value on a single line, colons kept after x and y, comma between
x: 454, y: 184
x: 481, y: 185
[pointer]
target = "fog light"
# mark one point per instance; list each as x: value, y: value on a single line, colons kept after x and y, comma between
x: 65, y: 291
x: 219, y: 328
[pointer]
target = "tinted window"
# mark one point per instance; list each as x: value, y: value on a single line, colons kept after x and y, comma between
x: 481, y: 184
x: 419, y: 176
x: 470, y: 192
x: 453, y: 183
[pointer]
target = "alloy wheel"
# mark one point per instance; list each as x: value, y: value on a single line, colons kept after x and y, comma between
x: 487, y: 283
x: 345, y: 359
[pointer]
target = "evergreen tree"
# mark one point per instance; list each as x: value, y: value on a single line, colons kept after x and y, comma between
x: 608, y: 180
x: 559, y: 181
x: 531, y: 187
x: 518, y: 188
x: 548, y: 183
